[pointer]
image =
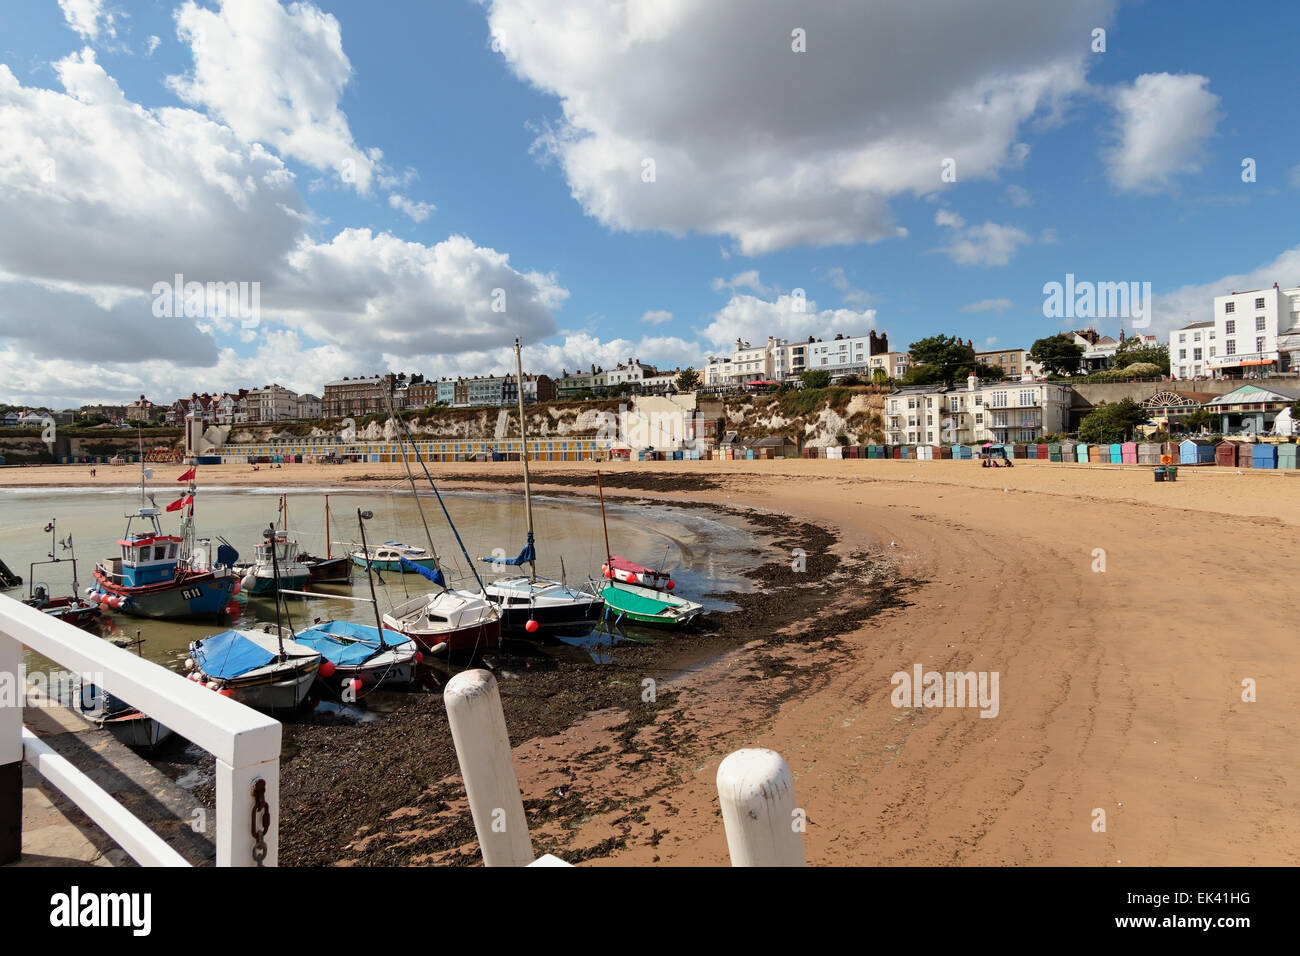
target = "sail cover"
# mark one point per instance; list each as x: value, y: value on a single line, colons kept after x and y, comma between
x: 229, y: 654
x: 434, y: 575
x: 346, y: 643
x: 526, y: 556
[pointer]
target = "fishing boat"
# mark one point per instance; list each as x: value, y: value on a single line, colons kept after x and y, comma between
x: 165, y: 576
x: 128, y: 724
x: 72, y: 609
x: 529, y: 604
x: 329, y: 569
x: 447, y: 620
x: 261, y: 669
x: 393, y: 556
x: 635, y: 602
x: 259, y: 577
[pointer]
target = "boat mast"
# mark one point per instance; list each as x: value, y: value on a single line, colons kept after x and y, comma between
x: 269, y: 533
x: 609, y: 561
x: 523, y: 441
x: 451, y: 524
x: 327, y: 527
x: 388, y: 395
x: 374, y: 602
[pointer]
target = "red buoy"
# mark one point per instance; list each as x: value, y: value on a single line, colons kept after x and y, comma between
x: 419, y: 657
x: 326, y: 668
x: 532, y: 626
x: 671, y: 584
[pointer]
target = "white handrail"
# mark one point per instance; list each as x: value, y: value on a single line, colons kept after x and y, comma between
x: 145, y: 847
x: 246, y: 743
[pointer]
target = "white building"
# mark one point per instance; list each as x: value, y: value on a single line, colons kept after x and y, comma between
x: 272, y: 403
x: 633, y: 373
x: 780, y: 360
x: 1190, y: 349
x: 309, y: 406
x: 1246, y: 326
x: 998, y: 412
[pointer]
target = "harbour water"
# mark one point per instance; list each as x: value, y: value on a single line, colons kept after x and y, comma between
x: 707, y: 552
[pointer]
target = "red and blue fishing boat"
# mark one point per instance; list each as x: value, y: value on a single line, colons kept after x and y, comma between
x: 164, y: 575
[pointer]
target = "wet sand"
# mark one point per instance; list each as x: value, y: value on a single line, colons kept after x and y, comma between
x: 1119, y: 689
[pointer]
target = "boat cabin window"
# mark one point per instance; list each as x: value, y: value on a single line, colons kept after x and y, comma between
x: 171, y: 550
x: 437, y: 619
x: 517, y: 600
x: 159, y: 552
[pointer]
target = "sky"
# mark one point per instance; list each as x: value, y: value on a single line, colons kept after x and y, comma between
x: 410, y: 186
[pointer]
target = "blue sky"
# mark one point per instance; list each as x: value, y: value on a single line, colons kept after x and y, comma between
x: 775, y: 170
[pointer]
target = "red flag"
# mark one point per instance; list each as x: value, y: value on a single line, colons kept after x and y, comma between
x: 177, y: 505
x: 188, y: 476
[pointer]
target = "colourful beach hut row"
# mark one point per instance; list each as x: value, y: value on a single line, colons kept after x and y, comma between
x: 1191, y: 451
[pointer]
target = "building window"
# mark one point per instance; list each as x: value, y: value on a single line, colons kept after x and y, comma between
x: 1211, y: 351
x: 979, y: 400
x: 1229, y: 308
x: 1259, y: 303
x: 1232, y: 347
x: 1027, y: 396
x: 1182, y: 353
x: 1196, y: 355
x: 1231, y: 327
x: 1182, y: 337
x: 1259, y: 344
x: 1259, y: 323
x: 979, y: 418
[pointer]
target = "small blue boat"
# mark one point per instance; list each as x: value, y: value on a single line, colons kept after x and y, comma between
x: 388, y: 557
x: 357, y: 652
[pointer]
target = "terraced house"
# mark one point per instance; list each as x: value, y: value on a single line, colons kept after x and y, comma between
x: 976, y: 413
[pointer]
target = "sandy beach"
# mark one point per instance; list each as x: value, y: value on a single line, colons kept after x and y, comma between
x: 1120, y: 690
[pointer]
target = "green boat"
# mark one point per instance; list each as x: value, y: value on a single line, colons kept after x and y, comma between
x: 634, y: 602
x: 642, y: 605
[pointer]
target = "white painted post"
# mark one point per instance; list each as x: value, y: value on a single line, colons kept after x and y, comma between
x: 12, y: 692
x: 764, y: 825
x: 234, y: 836
x: 478, y: 729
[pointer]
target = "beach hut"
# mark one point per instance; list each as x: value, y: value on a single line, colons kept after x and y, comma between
x: 1042, y: 451
x: 1069, y: 450
x: 1286, y: 456
x: 835, y: 452
x: 1081, y: 451
x: 1054, y: 451
x: 945, y: 452
x: 1196, y: 451
x: 873, y: 451
x: 1116, y: 454
x: 1097, y: 454
x: 1148, y: 453
x: 961, y: 452
x: 1169, y: 448
x: 1265, y: 456
x: 1245, y: 455
x: 1128, y: 453
x: 1019, y: 451
x: 1009, y: 450
x: 1225, y: 454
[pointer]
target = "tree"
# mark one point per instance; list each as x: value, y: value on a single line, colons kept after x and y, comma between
x: 947, y: 356
x: 850, y: 380
x: 1133, y: 351
x: 1057, y: 353
x: 1112, y: 423
x: 688, y: 380
x: 1200, y: 420
x: 815, y: 378
x: 923, y: 375
x: 881, y: 377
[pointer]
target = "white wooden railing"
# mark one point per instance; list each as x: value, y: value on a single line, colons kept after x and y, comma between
x: 245, y: 743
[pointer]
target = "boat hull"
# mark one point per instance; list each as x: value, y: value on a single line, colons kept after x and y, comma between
x: 567, y: 619
x: 73, y: 611
x: 330, y: 570
x: 194, y: 595
x: 276, y: 694
x: 647, y: 607
x: 481, y: 636
x: 257, y: 585
x: 395, y: 567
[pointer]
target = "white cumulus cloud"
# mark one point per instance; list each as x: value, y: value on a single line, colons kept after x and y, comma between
x: 1162, y: 124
